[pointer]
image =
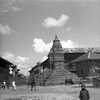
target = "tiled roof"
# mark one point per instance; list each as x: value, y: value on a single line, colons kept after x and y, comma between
x: 81, y: 50
x: 88, y: 55
x: 2, y: 60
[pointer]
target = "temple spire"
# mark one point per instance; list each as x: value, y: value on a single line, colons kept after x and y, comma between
x: 56, y: 38
x: 56, y: 54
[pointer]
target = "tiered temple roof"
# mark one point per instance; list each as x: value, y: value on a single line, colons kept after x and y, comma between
x: 56, y: 53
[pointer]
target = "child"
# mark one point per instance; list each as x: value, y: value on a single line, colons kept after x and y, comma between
x: 84, y: 94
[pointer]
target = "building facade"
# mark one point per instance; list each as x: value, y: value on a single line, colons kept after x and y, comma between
x: 4, y: 69
x: 62, y: 57
x: 87, y: 64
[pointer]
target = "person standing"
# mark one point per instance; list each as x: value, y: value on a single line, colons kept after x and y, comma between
x: 4, y: 84
x: 84, y: 93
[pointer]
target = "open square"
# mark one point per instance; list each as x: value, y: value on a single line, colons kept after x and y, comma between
x: 58, y: 92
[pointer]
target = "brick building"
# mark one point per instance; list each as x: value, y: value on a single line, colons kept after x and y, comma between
x: 87, y: 64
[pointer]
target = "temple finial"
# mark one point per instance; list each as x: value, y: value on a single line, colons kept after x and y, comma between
x: 56, y: 38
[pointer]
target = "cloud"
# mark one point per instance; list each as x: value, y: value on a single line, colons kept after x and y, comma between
x: 69, y: 44
x: 40, y: 46
x: 51, y: 22
x: 14, y: 8
x: 5, y: 30
x: 23, y: 68
x: 10, y: 5
x: 44, y: 58
x: 20, y: 59
x: 16, y: 60
x: 8, y: 56
x: 23, y: 63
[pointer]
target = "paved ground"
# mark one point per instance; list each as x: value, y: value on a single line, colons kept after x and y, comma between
x: 60, y: 92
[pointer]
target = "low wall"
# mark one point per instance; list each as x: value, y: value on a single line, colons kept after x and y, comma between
x: 96, y: 82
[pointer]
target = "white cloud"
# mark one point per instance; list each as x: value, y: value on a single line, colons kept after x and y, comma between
x: 10, y: 5
x: 5, y: 30
x: 51, y: 22
x: 8, y: 56
x: 44, y: 58
x: 16, y: 60
x: 20, y: 59
x: 40, y: 46
x: 14, y: 8
x: 24, y: 68
x: 69, y: 44
x: 23, y: 63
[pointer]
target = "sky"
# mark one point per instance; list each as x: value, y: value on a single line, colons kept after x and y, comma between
x: 28, y: 27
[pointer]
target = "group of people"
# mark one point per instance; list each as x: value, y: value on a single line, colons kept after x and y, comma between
x: 83, y: 95
x: 7, y: 84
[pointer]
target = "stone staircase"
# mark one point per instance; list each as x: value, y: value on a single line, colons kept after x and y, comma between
x: 43, y: 77
x: 56, y: 76
x: 59, y: 75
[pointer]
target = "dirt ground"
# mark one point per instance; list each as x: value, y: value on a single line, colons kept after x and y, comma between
x: 59, y: 92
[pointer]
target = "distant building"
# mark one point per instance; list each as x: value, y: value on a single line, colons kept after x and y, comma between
x: 4, y: 69
x: 87, y: 64
x: 61, y: 57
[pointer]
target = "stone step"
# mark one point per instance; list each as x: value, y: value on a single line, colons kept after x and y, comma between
x: 60, y: 74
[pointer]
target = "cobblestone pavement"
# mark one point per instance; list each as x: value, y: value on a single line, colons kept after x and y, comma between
x: 59, y: 92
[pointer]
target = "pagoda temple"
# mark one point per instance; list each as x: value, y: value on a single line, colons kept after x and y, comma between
x: 52, y: 70
x: 65, y: 63
x: 56, y: 54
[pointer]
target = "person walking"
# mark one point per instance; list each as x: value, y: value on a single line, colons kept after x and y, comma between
x: 8, y: 84
x: 13, y: 86
x: 84, y: 93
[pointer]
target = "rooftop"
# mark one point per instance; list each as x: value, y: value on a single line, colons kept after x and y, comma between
x: 81, y: 50
x: 87, y: 56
